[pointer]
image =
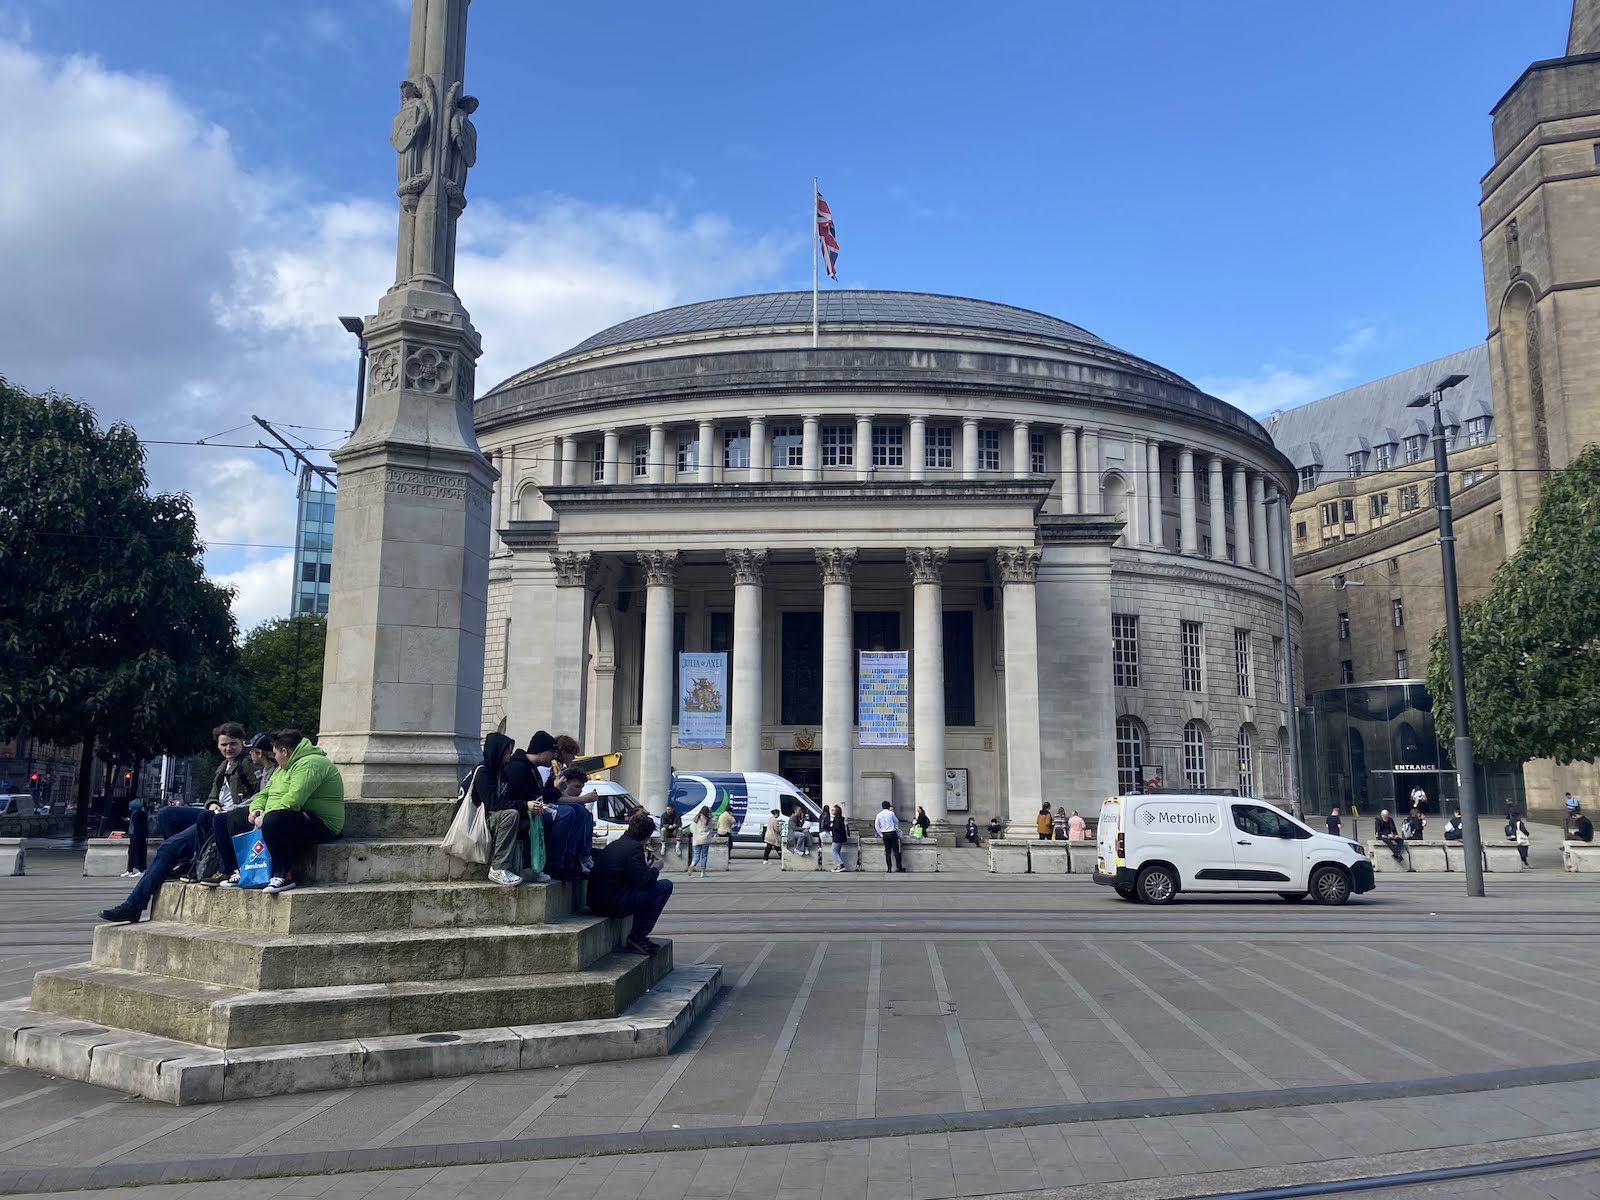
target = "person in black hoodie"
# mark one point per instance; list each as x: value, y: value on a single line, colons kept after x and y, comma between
x: 505, y: 797
x: 625, y: 883
x: 569, y: 825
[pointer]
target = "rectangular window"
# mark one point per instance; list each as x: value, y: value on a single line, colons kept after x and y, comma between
x: 1124, y: 650
x: 1410, y: 498
x: 1379, y: 504
x: 1205, y: 545
x: 1202, y: 484
x: 1241, y: 659
x: 641, y: 460
x: 1477, y: 430
x: 988, y: 449
x: 960, y: 677
x: 1299, y: 531
x: 721, y: 633
x: 308, y: 572
x: 1353, y: 464
x: 599, y: 473
x: 1344, y: 627
x: 1347, y: 671
x: 838, y: 446
x: 1347, y: 510
x: 736, y: 448
x: 1308, y: 478
x: 1383, y: 456
x: 1401, y: 667
x: 1036, y: 463
x: 888, y: 446
x: 1399, y: 613
x: 324, y: 572
x: 873, y: 631
x: 1330, y: 514
x: 1413, y: 448
x: 1472, y: 477
x: 801, y: 658
x: 688, y: 454
x: 1177, y: 485
x: 939, y: 452
x: 1277, y: 667
x: 1433, y: 493
x: 1193, y: 658
x: 788, y: 446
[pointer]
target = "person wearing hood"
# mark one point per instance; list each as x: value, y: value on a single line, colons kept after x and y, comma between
x: 503, y: 795
x: 302, y: 807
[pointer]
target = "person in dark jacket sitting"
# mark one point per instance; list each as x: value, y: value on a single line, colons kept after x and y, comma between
x: 1383, y: 829
x: 505, y: 796
x: 626, y: 883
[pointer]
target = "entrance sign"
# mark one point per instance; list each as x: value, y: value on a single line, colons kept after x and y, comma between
x: 955, y: 789
x: 885, y: 698
x: 702, y: 703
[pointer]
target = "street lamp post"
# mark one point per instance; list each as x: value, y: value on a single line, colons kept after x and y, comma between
x: 358, y: 327
x: 1291, y: 718
x: 1466, y: 768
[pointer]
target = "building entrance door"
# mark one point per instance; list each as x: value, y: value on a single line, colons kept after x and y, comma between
x: 803, y: 768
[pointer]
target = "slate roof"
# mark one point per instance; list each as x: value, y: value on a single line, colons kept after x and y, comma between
x: 1323, y: 431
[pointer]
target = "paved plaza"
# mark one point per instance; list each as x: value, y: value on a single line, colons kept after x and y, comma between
x: 957, y: 1034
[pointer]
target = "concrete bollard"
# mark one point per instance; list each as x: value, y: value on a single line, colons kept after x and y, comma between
x: 1082, y: 857
x: 1383, y: 860
x: 1502, y: 856
x: 14, y: 855
x: 1581, y: 857
x: 1008, y: 856
x: 1048, y: 858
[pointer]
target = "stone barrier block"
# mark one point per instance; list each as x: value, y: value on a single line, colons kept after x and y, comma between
x: 1581, y: 857
x: 13, y: 856
x: 1427, y: 857
x: 1383, y: 860
x: 793, y: 860
x: 1503, y: 856
x: 108, y: 857
x: 1048, y: 858
x: 920, y: 854
x: 1082, y: 857
x: 1008, y: 856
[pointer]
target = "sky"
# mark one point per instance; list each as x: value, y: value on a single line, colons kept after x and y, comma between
x: 1277, y: 201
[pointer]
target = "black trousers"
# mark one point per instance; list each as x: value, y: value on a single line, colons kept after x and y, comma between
x: 289, y: 833
x: 891, y: 853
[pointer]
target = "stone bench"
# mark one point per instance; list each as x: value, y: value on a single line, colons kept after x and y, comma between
x: 1008, y: 856
x: 916, y: 854
x: 1048, y: 858
x: 821, y: 858
x: 13, y: 856
x: 1580, y: 857
x: 108, y: 857
x: 1082, y: 857
x: 1421, y: 857
x: 1501, y: 856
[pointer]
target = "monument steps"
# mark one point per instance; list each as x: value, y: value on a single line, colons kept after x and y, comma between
x: 397, y: 818
x: 387, y: 860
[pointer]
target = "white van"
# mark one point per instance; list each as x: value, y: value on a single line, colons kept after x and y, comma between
x: 749, y: 795
x: 1153, y: 847
x: 612, y: 808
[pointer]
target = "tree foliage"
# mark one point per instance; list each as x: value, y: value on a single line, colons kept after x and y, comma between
x: 109, y: 630
x: 1531, y: 647
x: 282, y: 663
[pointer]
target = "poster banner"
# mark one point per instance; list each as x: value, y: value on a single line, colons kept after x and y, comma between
x: 885, y: 698
x: 702, y: 703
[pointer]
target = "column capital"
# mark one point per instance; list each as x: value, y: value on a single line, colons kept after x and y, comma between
x: 927, y: 563
x: 968, y: 422
x: 836, y: 564
x: 1020, y: 424
x: 574, y: 568
x: 1019, y: 564
x: 749, y: 566
x: 660, y: 566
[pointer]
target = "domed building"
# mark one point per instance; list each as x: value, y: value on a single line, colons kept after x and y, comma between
x: 1060, y: 560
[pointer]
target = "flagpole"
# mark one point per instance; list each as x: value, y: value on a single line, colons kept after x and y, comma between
x: 814, y: 239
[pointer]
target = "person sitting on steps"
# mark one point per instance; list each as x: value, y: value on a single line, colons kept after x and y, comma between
x: 626, y: 882
x: 302, y: 807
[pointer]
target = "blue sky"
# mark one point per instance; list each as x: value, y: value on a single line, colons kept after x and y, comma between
x: 1277, y: 201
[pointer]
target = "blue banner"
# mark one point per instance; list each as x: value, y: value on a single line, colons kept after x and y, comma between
x: 885, y: 698
x: 702, y: 699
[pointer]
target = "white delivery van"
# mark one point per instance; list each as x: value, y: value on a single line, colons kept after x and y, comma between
x: 612, y: 808
x: 749, y: 795
x: 1153, y: 847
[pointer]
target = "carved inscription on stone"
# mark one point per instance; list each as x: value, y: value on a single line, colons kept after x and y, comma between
x: 430, y: 485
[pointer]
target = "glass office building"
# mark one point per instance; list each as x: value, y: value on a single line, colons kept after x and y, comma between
x: 313, y: 545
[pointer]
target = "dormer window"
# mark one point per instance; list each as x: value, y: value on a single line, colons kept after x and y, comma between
x: 1308, y: 478
x: 1353, y: 463
x: 1413, y: 448
x: 1382, y: 457
x: 1477, y: 430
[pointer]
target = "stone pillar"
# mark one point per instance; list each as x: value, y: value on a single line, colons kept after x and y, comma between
x: 749, y: 576
x: 1189, y: 537
x: 569, y: 461
x: 1071, y: 489
x: 1158, y: 534
x: 1090, y: 444
x: 655, y: 732
x: 863, y: 448
x: 1219, y: 523
x: 658, y: 454
x: 1258, y: 513
x: 1019, y: 612
x: 1021, y: 451
x: 708, y: 451
x: 1241, y: 516
x: 1275, y: 532
x: 811, y: 449
x: 917, y: 452
x: 927, y: 676
x: 608, y: 457
x: 969, y: 447
x: 758, y: 449
x: 838, y: 680
x: 568, y: 681
x: 1138, y: 510
x: 497, y: 460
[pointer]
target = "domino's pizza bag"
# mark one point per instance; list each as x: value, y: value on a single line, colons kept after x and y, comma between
x: 255, y: 864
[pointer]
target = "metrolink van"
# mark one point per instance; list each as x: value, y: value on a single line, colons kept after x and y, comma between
x: 1153, y: 847
x: 750, y: 795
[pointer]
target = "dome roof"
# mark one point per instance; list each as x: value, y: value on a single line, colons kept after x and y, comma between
x: 837, y: 308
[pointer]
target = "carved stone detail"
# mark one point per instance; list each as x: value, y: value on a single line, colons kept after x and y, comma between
x: 384, y: 371
x: 409, y: 135
x: 660, y: 566
x: 430, y: 369
x: 836, y: 564
x: 927, y: 563
x: 431, y: 485
x: 1513, y: 249
x: 574, y: 568
x: 1541, y: 432
x: 1018, y: 565
x: 749, y: 566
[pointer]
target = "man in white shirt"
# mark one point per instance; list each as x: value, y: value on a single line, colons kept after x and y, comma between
x: 888, y: 826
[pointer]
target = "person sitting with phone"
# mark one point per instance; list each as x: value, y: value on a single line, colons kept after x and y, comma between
x: 626, y: 882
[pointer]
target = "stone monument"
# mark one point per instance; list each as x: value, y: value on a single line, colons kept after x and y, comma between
x: 394, y: 961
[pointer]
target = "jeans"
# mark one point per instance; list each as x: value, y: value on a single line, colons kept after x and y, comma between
x: 838, y: 853
x: 648, y: 906
x: 179, y: 817
x: 138, y: 853
x: 224, y: 827
x: 510, y: 846
x: 891, y: 853
x: 701, y: 857
x: 289, y: 833
x: 173, y: 851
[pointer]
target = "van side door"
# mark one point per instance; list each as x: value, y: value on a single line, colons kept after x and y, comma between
x: 1268, y: 850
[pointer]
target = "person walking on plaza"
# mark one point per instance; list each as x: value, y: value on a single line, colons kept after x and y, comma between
x: 922, y: 822
x: 838, y: 835
x: 626, y: 882
x: 138, y: 839
x: 1077, y: 828
x: 1333, y: 820
x: 887, y: 824
x: 1578, y: 828
x: 1384, y: 830
x: 1517, y: 831
x: 701, y: 831
x: 771, y: 838
x: 1044, y: 823
x: 303, y: 806
x: 1058, y: 824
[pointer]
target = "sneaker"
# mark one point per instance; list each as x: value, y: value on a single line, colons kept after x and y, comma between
x: 130, y: 874
x: 231, y: 881
x: 279, y: 883
x: 211, y: 881
x: 123, y: 914
x: 836, y: 870
x: 536, y: 877
x: 641, y: 946
x: 504, y: 877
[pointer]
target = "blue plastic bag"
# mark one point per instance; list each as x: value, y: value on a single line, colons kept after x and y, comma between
x: 255, y: 864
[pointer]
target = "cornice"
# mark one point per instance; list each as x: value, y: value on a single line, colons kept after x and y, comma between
x: 967, y: 493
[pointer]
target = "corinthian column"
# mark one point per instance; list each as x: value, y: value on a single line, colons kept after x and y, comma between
x: 569, y: 678
x: 810, y: 449
x: 1019, y: 569
x: 1258, y: 510
x: 749, y: 576
x: 927, y: 703
x: 1219, y: 525
x: 1157, y: 534
x: 1188, y: 536
x: 1241, y: 517
x: 838, y: 680
x: 1071, y: 490
x: 655, y: 717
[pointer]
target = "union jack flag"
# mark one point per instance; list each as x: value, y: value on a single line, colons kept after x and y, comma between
x: 826, y: 237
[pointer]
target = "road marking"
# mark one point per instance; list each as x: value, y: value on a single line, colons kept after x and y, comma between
x: 277, y: 1131
x: 65, y: 1123
x: 1047, y: 1051
x: 421, y: 1114
x: 1164, y: 1080
x: 970, y: 1095
x: 768, y: 1084
x: 29, y: 1095
x: 867, y: 1088
x: 710, y: 950
x: 1258, y: 1018
x: 1543, y: 987
x: 1478, y: 968
x: 535, y: 1110
x: 1326, y: 1013
x: 160, y: 1131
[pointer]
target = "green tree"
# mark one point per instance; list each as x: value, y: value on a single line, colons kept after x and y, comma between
x: 1531, y: 647
x: 282, y: 663
x: 110, y: 635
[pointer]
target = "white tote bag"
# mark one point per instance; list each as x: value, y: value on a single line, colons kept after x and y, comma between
x: 468, y: 837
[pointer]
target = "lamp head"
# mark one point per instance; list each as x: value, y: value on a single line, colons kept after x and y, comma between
x: 1448, y: 382
x: 1421, y: 401
x: 353, y: 325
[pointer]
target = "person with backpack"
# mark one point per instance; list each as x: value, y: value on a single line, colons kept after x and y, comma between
x: 1517, y: 831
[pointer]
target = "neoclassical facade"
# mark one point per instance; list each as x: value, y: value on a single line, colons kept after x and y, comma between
x: 1078, y: 550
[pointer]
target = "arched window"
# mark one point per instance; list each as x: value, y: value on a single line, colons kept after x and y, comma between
x: 1247, y: 761
x: 1130, y: 756
x: 1194, y: 755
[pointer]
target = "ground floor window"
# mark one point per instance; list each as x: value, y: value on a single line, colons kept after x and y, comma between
x: 1247, y: 771
x: 1130, y: 756
x: 1194, y: 755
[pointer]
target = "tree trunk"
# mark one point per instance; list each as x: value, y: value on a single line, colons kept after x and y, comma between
x: 80, y: 815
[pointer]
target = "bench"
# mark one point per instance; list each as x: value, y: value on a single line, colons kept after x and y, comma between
x: 1580, y: 857
x: 1008, y: 856
x: 1502, y: 856
x: 14, y: 856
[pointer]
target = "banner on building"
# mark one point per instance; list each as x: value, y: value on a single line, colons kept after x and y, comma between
x: 884, y: 698
x: 702, y: 699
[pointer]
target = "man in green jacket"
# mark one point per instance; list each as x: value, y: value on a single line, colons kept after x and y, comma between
x: 301, y: 806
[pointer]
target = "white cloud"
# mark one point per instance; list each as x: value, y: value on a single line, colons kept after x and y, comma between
x: 261, y: 590
x: 1291, y: 378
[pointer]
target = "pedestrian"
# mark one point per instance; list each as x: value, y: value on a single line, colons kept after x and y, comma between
x: 1384, y: 830
x: 302, y: 807
x: 560, y: 824
x: 1058, y: 824
x: 504, y: 799
x: 839, y: 832
x: 138, y: 839
x: 1044, y: 824
x: 1077, y: 828
x: 626, y: 882
x: 701, y: 831
x: 1517, y: 831
x: 922, y: 822
x: 888, y: 826
x: 971, y: 834
x: 1333, y: 820
x: 671, y: 830
x: 771, y: 837
x: 725, y: 824
x: 1578, y: 828
x: 824, y: 826
x: 1415, y: 824
x: 1452, y: 827
x: 1419, y: 797
x: 798, y: 831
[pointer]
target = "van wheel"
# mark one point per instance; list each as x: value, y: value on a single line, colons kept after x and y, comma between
x: 1293, y: 897
x: 1156, y: 885
x: 1330, y: 885
x: 1127, y: 893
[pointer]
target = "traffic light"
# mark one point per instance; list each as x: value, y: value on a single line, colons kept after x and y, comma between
x: 127, y: 778
x: 33, y: 782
